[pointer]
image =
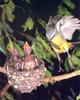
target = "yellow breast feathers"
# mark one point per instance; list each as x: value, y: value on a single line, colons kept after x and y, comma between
x: 62, y: 45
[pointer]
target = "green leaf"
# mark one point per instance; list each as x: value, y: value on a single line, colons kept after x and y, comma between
x: 63, y: 11
x: 69, y: 3
x: 75, y: 60
x: 2, y: 44
x: 46, y: 46
x: 66, y: 65
x: 47, y: 74
x: 77, y: 52
x: 20, y: 50
x: 2, y: 27
x: 10, y: 7
x: 10, y: 45
x: 42, y: 50
x: 29, y: 24
x: 78, y: 97
x: 42, y: 23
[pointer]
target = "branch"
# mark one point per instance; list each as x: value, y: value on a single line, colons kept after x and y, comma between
x: 54, y: 78
x: 3, y: 70
x: 9, y: 29
x: 5, y: 88
x: 61, y: 77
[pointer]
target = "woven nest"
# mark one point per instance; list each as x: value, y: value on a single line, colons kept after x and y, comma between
x: 27, y: 80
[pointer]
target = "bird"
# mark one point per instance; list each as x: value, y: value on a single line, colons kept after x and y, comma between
x: 59, y: 32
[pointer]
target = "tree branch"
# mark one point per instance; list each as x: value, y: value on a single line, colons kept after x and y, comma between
x: 9, y: 29
x: 61, y: 77
x: 52, y: 79
x: 3, y: 70
x: 5, y: 88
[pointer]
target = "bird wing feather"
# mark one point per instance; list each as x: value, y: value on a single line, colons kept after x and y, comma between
x: 67, y: 26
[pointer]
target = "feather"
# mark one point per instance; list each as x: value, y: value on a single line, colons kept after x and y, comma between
x: 67, y: 25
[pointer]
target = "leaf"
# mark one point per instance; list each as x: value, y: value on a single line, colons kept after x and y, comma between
x: 78, y: 97
x: 2, y: 44
x: 77, y: 52
x: 66, y: 65
x: 41, y: 49
x: 2, y: 27
x: 46, y: 46
x: 42, y: 23
x: 10, y: 7
x: 10, y: 45
x: 63, y: 11
x: 28, y: 1
x: 71, y: 64
x: 20, y: 50
x: 29, y: 24
x: 75, y: 60
x: 69, y: 3
x: 47, y: 74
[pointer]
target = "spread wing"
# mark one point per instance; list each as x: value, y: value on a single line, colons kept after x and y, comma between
x: 67, y: 26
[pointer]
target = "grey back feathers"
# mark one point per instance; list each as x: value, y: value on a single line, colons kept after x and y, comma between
x: 51, y: 27
x: 65, y: 26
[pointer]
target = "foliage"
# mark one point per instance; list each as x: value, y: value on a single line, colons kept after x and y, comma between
x: 69, y: 3
x: 29, y: 24
x: 2, y: 44
x: 74, y: 61
x: 39, y: 43
x: 7, y: 96
x: 20, y: 50
x: 42, y: 23
x: 28, y: 1
x: 63, y: 11
x: 41, y: 49
x: 10, y: 44
x: 78, y: 97
x: 10, y: 7
x: 47, y: 74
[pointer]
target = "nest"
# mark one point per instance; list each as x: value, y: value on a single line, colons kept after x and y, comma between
x: 27, y: 80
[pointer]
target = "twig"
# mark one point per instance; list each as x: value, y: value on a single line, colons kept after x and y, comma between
x: 5, y: 88
x: 52, y: 79
x: 9, y: 29
x: 61, y: 77
x: 3, y: 70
